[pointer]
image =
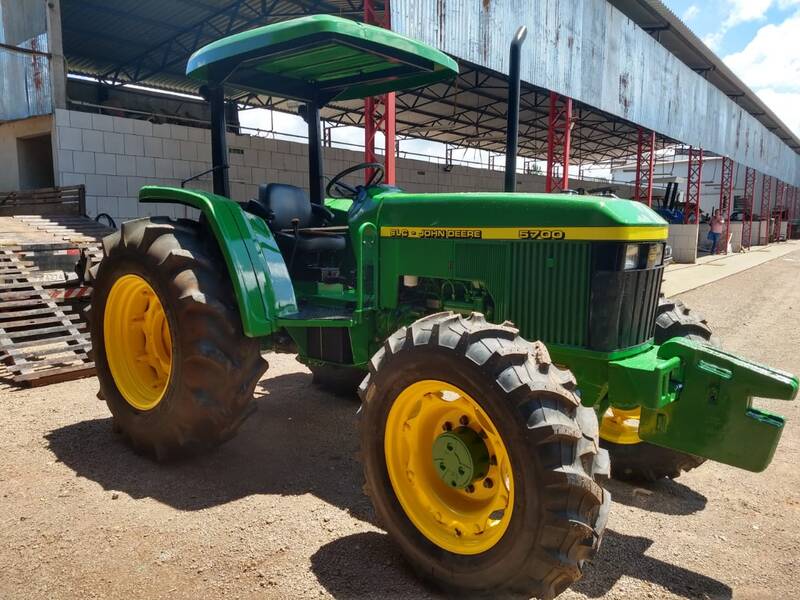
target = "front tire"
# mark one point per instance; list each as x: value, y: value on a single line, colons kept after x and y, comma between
x: 173, y: 363
x: 632, y: 459
x: 447, y: 375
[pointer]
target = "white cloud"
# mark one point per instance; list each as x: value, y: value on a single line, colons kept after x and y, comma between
x: 770, y: 65
x: 783, y: 104
x: 712, y: 40
x: 743, y: 11
x: 738, y: 12
x: 691, y: 13
x: 772, y: 58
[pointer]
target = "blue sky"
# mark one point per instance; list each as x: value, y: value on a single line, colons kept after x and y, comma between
x: 759, y: 40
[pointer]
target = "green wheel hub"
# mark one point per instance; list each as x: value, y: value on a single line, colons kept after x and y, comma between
x: 460, y: 457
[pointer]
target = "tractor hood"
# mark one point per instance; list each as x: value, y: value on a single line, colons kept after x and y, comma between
x: 506, y: 216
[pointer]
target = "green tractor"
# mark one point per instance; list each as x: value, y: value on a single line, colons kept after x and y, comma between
x: 492, y: 331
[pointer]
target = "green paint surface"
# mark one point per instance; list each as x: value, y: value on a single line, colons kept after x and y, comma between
x: 320, y: 57
x: 258, y: 273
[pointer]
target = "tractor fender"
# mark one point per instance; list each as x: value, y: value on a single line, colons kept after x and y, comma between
x: 256, y: 267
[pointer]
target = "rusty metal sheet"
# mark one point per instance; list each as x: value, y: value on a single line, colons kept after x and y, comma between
x: 588, y: 50
x: 25, y: 88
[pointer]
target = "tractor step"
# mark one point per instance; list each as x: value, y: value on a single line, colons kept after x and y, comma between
x: 314, y: 315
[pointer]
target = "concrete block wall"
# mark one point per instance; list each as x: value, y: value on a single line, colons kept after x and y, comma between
x: 683, y: 240
x: 736, y: 236
x: 760, y: 232
x: 115, y: 156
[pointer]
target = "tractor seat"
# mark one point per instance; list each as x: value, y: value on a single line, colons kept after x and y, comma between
x: 287, y: 207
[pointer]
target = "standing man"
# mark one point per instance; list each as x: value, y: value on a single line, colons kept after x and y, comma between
x: 716, y: 230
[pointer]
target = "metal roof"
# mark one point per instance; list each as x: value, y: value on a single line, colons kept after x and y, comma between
x: 593, y: 53
x: 149, y: 41
x: 658, y: 20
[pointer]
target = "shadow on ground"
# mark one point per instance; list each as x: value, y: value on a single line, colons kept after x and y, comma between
x: 303, y: 440
x: 300, y: 440
x: 624, y: 555
x: 343, y: 569
x: 339, y: 567
x: 665, y: 496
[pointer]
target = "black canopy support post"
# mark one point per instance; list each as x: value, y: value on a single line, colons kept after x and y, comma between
x: 512, y: 126
x: 311, y: 114
x: 219, y: 145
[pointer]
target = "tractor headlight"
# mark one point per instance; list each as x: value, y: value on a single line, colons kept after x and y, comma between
x: 631, y: 257
x: 655, y: 255
x: 643, y: 256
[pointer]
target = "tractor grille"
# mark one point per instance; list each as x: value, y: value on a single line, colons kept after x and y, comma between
x: 549, y: 291
x: 623, y: 307
x: 570, y: 294
x: 542, y: 287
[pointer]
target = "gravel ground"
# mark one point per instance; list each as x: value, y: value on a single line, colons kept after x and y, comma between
x: 278, y: 512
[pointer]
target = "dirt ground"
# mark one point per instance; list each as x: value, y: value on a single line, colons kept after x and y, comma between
x: 278, y: 512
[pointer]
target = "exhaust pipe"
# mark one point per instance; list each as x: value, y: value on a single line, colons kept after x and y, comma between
x: 512, y: 126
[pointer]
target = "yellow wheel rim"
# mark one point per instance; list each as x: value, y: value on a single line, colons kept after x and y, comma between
x: 621, y: 426
x: 462, y: 521
x: 137, y: 342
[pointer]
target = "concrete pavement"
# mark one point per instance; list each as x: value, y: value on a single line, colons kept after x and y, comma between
x: 680, y: 278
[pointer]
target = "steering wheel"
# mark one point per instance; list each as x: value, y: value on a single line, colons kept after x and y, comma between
x: 337, y: 188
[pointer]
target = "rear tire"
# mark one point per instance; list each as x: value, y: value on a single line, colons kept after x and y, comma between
x: 647, y: 462
x: 341, y: 381
x: 559, y: 507
x: 214, y: 366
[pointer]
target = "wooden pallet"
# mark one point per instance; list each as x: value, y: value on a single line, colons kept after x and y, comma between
x: 68, y: 228
x: 69, y: 200
x: 41, y: 342
x: 55, y: 240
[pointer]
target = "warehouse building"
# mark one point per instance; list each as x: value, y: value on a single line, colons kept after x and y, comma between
x: 609, y: 83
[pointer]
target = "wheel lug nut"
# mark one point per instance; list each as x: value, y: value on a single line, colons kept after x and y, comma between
x: 487, y: 483
x: 448, y: 426
x: 493, y: 460
x: 464, y: 420
x: 470, y: 488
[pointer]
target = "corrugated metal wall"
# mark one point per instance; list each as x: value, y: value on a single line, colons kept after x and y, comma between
x: 25, y: 88
x: 589, y: 51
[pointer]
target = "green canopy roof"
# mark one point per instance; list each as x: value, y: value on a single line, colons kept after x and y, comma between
x: 322, y: 58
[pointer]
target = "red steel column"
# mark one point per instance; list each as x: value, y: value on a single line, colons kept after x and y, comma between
x: 691, y: 210
x: 380, y: 111
x: 749, y: 195
x: 558, y: 143
x: 779, y: 192
x: 725, y: 197
x: 645, y: 156
x: 792, y: 203
x: 766, y: 192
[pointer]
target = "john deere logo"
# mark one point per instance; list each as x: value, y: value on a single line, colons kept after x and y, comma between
x: 542, y: 234
x: 434, y: 233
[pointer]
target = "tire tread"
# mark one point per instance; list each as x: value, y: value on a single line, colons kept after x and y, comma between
x: 557, y: 430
